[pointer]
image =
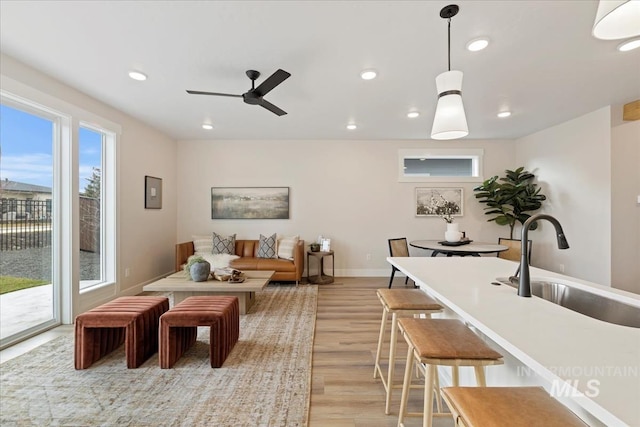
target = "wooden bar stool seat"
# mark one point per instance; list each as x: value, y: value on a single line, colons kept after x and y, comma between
x: 398, y: 302
x: 515, y: 406
x: 441, y: 342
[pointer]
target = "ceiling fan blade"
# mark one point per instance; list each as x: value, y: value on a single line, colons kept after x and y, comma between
x: 198, y: 92
x: 272, y: 81
x: 269, y: 106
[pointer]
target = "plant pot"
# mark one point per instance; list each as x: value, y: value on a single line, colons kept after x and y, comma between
x: 452, y: 234
x: 200, y: 271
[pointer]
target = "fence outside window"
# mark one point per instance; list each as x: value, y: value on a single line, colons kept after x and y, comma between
x: 26, y: 224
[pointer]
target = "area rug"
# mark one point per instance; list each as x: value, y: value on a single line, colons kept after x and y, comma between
x: 264, y: 382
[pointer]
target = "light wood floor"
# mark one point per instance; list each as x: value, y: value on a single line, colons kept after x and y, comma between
x: 344, y: 393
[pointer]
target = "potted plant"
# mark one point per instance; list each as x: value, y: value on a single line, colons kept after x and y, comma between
x: 197, y: 268
x: 510, y: 198
x: 446, y: 209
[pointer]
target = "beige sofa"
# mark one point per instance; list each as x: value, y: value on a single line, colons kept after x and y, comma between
x: 247, y: 250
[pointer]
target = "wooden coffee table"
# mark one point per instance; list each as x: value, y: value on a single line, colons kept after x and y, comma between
x: 183, y: 287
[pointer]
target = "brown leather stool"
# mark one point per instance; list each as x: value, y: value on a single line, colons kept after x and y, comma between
x: 516, y: 406
x: 132, y: 320
x: 398, y: 302
x: 441, y: 342
x: 179, y: 328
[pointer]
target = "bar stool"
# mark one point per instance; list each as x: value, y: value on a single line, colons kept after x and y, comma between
x: 398, y: 302
x: 517, y: 406
x: 441, y: 342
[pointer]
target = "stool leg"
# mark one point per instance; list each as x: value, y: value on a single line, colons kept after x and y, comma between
x: 392, y: 360
x: 436, y: 386
x: 406, y: 384
x: 480, y: 378
x: 455, y: 376
x: 427, y: 419
x: 376, y: 367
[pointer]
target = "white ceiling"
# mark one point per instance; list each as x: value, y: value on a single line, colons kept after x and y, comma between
x: 542, y: 63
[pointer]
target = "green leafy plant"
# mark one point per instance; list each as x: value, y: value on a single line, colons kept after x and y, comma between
x: 510, y: 197
x: 193, y: 259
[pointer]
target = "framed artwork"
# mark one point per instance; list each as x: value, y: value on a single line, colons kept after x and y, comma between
x: 249, y: 202
x: 444, y: 202
x: 152, y: 192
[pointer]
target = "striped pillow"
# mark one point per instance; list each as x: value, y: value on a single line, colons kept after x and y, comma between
x: 286, y: 245
x: 202, y: 244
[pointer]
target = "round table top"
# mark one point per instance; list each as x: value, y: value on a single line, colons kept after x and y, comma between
x: 473, y: 247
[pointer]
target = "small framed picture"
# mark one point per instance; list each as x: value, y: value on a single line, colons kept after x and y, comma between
x: 325, y: 245
x: 152, y: 192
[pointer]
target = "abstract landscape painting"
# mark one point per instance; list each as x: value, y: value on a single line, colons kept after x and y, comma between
x: 250, y: 203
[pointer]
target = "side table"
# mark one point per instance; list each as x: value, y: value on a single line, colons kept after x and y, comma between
x: 321, y: 278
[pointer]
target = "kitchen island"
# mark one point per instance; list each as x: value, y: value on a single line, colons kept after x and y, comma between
x: 591, y: 366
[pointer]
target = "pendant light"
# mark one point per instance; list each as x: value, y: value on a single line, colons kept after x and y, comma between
x: 617, y: 19
x: 450, y: 122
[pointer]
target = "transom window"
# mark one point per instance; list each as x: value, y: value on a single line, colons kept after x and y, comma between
x: 440, y: 165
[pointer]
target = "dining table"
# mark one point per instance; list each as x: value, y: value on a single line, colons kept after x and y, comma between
x: 462, y: 248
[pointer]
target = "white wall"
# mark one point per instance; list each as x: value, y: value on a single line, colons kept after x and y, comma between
x: 345, y: 190
x: 146, y: 237
x: 572, y: 162
x: 625, y: 206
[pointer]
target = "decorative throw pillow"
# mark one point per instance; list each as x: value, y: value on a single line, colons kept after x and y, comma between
x: 267, y: 246
x: 224, y: 245
x: 202, y: 244
x: 286, y: 245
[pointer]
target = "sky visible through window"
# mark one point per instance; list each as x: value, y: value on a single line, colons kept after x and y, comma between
x: 27, y: 149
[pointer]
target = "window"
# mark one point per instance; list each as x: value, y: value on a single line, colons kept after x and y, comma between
x: 47, y: 145
x: 91, y: 146
x: 28, y: 137
x: 440, y: 165
x: 96, y: 206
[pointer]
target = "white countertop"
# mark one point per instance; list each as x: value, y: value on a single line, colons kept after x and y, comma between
x: 603, y: 359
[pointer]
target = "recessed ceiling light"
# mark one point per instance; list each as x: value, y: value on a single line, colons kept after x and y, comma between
x: 351, y: 126
x: 477, y: 44
x: 368, y: 74
x: 413, y: 114
x: 504, y: 114
x: 207, y: 126
x: 629, y: 45
x: 137, y: 75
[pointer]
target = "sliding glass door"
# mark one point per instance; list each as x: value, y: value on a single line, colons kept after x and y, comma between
x: 28, y: 292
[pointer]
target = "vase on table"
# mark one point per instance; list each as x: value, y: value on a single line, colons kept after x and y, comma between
x: 200, y: 271
x: 453, y: 233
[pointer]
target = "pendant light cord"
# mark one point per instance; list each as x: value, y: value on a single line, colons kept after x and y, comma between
x: 449, y: 43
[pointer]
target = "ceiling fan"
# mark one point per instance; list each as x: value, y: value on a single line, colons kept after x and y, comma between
x: 255, y: 95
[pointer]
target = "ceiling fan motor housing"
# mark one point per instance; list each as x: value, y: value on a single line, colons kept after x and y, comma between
x: 251, y: 97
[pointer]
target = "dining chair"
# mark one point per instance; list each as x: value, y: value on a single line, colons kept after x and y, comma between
x: 514, y: 252
x: 398, y: 248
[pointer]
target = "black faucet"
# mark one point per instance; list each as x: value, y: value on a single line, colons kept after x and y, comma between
x: 524, y: 281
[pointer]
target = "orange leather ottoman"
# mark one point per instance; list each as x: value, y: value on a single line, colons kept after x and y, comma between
x: 178, y: 328
x: 132, y: 320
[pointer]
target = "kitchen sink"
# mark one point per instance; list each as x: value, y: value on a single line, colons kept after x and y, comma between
x: 593, y: 305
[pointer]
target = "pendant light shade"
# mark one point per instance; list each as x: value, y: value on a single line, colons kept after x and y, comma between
x: 617, y: 19
x: 450, y: 121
